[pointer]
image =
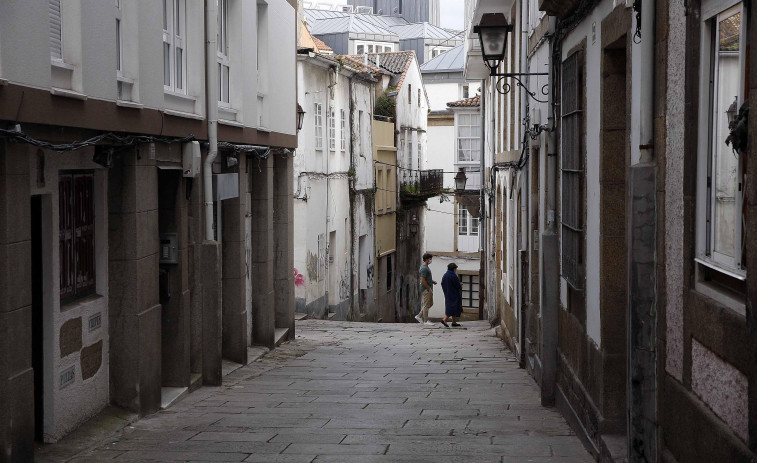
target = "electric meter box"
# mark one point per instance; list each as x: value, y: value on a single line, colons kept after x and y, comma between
x: 169, y: 248
x: 191, y: 159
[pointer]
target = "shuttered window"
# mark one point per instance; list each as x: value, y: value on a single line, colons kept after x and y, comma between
x: 572, y: 171
x: 76, y: 210
x: 56, y: 46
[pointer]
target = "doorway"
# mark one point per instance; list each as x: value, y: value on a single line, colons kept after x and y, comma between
x: 37, y: 317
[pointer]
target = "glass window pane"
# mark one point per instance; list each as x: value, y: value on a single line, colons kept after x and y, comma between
x: 177, y: 18
x: 166, y: 64
x: 179, y: 68
x: 166, y: 9
x: 360, y: 49
x: 726, y: 175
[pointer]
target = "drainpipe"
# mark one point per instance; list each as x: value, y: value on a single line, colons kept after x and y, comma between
x: 646, y: 108
x: 550, y: 253
x: 211, y: 97
x: 482, y: 207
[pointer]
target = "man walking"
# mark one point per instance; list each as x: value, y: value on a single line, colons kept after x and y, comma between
x: 427, y: 289
x: 453, y: 297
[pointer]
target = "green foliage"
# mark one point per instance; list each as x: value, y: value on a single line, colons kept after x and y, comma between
x: 385, y: 106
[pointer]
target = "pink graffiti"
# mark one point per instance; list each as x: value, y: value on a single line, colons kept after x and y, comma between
x: 299, y: 279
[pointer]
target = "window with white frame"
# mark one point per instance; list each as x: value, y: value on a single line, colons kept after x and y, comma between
x: 223, y: 51
x: 343, y: 129
x: 318, y: 116
x: 332, y: 129
x: 373, y: 47
x: 56, y: 31
x: 467, y: 225
x: 468, y: 137
x: 721, y: 168
x: 174, y: 43
x: 464, y: 91
x: 436, y: 51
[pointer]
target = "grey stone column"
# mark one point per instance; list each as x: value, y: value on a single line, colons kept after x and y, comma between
x: 283, y: 241
x: 16, y: 374
x: 261, y: 238
x: 210, y: 268
x: 235, y: 272
x: 134, y: 308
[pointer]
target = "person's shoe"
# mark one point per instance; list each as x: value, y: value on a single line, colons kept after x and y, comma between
x: 419, y: 317
x: 445, y: 324
x: 456, y: 324
x: 430, y: 323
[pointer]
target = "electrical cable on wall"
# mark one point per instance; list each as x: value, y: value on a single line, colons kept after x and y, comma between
x: 106, y: 138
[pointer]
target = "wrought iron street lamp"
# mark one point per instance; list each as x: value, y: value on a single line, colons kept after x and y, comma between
x: 414, y: 224
x: 460, y: 180
x: 492, y: 36
x: 300, y: 117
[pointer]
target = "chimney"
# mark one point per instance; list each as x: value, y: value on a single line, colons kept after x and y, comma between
x: 365, y: 59
x: 378, y: 60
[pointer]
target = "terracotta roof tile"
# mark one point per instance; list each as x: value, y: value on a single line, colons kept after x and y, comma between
x: 393, y: 62
x: 320, y: 45
x: 473, y: 102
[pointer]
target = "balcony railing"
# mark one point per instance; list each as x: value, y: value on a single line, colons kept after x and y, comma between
x: 422, y: 184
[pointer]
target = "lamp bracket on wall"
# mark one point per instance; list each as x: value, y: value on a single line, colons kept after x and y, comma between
x: 504, y: 87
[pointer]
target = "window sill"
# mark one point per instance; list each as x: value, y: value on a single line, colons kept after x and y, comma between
x: 3, y: 81
x: 68, y: 93
x: 82, y: 303
x: 129, y: 104
x: 230, y: 123
x: 124, y: 80
x: 734, y: 273
x: 267, y: 130
x: 60, y: 64
x: 171, y: 112
x: 179, y: 102
x: 722, y: 296
x: 226, y: 113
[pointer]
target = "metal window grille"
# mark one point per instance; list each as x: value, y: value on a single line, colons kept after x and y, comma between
x: 76, y: 235
x: 572, y: 172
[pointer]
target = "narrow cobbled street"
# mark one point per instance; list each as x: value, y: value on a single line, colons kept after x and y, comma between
x: 360, y: 392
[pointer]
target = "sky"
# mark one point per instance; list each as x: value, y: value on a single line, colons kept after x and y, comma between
x: 451, y: 15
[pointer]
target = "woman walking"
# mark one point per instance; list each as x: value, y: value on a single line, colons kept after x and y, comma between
x: 453, y: 297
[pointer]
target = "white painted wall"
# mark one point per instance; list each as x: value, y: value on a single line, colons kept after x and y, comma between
x: 89, y: 48
x: 322, y: 184
x: 439, y: 94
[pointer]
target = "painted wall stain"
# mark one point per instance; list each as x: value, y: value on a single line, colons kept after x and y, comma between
x: 312, y: 266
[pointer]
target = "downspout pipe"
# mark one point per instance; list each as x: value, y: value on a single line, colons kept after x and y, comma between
x: 482, y: 207
x: 211, y: 101
x: 647, y: 73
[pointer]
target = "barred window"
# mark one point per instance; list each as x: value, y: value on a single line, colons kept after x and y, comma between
x: 76, y: 210
x: 572, y: 171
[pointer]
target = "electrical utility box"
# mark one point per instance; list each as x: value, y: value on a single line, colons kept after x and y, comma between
x: 191, y: 159
x: 169, y: 248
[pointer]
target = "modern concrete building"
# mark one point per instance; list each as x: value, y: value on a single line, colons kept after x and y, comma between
x: 139, y: 175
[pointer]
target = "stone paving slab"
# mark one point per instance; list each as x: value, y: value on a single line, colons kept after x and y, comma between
x: 360, y: 393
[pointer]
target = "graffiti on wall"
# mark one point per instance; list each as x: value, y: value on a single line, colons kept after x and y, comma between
x: 299, y: 279
x: 369, y: 274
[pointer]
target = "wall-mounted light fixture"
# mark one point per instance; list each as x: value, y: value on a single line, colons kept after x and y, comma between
x: 300, y: 117
x: 460, y: 180
x: 414, y: 225
x: 492, y: 36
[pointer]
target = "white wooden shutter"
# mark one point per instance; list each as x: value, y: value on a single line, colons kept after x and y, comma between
x: 56, y: 49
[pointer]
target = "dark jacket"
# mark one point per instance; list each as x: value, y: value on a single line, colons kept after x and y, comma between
x: 453, y: 298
